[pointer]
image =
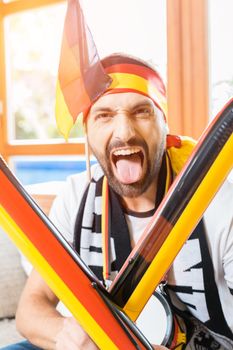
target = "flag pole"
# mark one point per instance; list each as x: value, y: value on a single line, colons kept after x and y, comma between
x: 87, y: 153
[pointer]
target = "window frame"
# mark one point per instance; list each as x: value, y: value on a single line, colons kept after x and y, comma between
x: 7, y: 149
x: 188, y: 66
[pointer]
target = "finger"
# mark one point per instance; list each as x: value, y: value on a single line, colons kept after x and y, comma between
x: 78, y: 335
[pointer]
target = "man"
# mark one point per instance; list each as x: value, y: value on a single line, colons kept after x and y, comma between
x: 127, y: 132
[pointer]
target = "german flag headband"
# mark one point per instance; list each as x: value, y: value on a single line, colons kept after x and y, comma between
x: 83, y: 77
x: 132, y: 75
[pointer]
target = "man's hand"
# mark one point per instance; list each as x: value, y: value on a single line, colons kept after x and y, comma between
x: 73, y: 337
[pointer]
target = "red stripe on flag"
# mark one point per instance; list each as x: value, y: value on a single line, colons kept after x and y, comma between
x: 69, y: 64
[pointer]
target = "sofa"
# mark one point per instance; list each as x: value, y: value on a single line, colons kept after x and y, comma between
x: 12, y: 280
x: 14, y: 267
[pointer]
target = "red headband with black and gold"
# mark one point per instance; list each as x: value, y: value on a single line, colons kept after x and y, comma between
x: 132, y: 75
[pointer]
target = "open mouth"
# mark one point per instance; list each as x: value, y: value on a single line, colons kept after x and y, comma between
x: 128, y: 164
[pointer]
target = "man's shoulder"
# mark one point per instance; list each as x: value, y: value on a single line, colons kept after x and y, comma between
x: 82, y: 179
x: 219, y: 215
x: 223, y: 199
x: 66, y: 205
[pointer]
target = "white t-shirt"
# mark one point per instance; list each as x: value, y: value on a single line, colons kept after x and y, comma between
x: 218, y: 221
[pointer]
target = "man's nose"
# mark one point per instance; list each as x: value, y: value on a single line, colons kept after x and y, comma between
x: 124, y: 129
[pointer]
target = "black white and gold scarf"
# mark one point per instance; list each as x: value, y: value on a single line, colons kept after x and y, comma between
x: 102, y: 239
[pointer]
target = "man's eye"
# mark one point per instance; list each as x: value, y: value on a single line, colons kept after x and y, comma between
x: 143, y: 112
x: 103, y: 116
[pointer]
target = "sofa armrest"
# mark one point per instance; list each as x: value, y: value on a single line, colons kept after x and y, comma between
x: 12, y: 277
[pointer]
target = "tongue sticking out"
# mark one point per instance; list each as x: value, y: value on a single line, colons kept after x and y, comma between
x: 129, y: 168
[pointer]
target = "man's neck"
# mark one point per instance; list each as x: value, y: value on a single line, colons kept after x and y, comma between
x: 143, y: 203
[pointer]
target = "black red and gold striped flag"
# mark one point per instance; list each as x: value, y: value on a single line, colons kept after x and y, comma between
x: 61, y: 267
x: 79, y: 70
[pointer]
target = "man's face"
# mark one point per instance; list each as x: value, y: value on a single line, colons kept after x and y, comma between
x: 126, y: 133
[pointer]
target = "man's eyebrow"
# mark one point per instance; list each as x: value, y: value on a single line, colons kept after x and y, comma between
x: 96, y: 109
x: 142, y: 104
x: 101, y: 109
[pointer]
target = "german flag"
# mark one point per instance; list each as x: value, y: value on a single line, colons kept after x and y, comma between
x: 79, y: 70
x: 61, y: 267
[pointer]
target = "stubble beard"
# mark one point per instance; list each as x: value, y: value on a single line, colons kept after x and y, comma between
x: 150, y: 173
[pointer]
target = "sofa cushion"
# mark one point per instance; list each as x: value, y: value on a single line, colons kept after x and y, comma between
x: 12, y: 277
x: 8, y: 333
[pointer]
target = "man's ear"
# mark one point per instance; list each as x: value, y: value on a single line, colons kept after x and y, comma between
x: 162, y: 118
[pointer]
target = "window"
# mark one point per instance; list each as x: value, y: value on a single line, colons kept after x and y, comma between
x: 221, y: 53
x: 6, y: 1
x: 137, y: 27
x: 33, y: 170
x: 33, y: 40
x: 31, y: 46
